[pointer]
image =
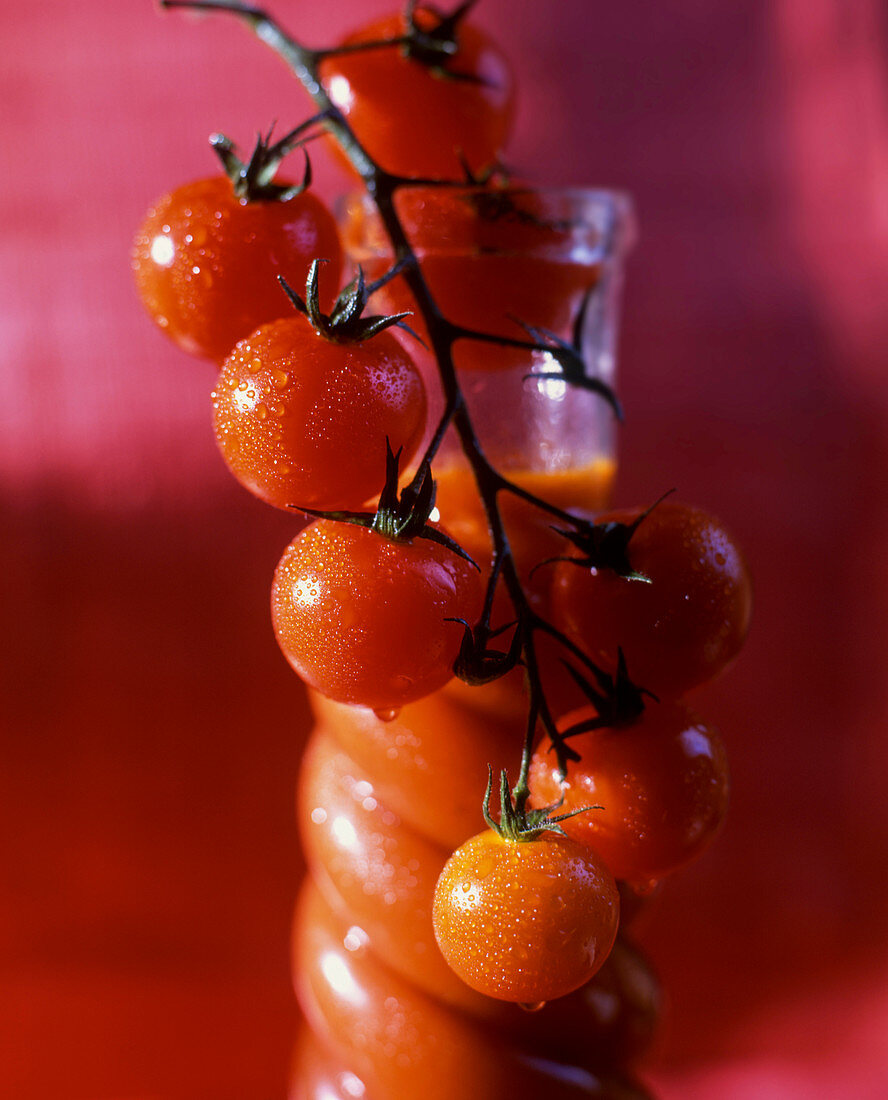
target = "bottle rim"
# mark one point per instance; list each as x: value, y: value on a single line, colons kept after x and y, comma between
x: 604, y: 215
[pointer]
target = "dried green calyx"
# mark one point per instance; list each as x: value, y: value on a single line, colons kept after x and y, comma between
x: 605, y: 546
x: 518, y: 823
x: 569, y: 356
x: 346, y: 322
x: 477, y: 663
x: 253, y: 180
x: 435, y: 43
x: 618, y: 701
x: 399, y: 517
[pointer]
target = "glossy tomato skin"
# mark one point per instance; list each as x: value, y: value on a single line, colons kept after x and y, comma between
x: 662, y: 784
x: 364, y: 620
x: 301, y: 419
x: 206, y: 264
x: 413, y: 121
x: 681, y: 629
x: 525, y: 921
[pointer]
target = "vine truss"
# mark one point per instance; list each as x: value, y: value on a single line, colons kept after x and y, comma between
x: 477, y: 663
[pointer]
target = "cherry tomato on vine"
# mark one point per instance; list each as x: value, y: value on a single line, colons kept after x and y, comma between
x: 662, y: 785
x: 424, y: 118
x: 302, y: 419
x: 384, y: 877
x: 528, y: 920
x: 364, y: 619
x: 206, y: 263
x: 681, y: 629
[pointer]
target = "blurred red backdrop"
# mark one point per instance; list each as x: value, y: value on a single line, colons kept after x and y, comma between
x: 150, y: 730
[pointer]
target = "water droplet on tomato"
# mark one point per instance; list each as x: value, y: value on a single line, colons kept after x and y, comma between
x: 533, y: 1006
x: 281, y: 378
x: 387, y: 714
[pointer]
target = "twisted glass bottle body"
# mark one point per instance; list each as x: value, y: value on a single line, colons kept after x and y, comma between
x: 384, y: 799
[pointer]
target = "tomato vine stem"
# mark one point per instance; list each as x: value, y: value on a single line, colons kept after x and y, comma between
x: 382, y: 186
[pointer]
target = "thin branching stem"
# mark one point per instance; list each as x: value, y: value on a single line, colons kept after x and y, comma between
x: 382, y: 187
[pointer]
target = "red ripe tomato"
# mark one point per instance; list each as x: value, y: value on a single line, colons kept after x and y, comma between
x: 662, y: 784
x: 416, y: 120
x: 206, y: 263
x: 525, y: 921
x: 682, y: 628
x: 364, y: 619
x: 301, y: 419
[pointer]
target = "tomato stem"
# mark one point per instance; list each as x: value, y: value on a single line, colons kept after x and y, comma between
x: 382, y: 187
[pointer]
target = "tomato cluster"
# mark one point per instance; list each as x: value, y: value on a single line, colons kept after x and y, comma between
x: 409, y: 956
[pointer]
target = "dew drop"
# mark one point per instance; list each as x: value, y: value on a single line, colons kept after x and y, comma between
x: 387, y: 714
x: 261, y: 411
x: 254, y: 365
x: 532, y: 1006
x: 281, y: 378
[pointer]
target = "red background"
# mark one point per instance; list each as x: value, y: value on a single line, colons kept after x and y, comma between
x: 150, y: 730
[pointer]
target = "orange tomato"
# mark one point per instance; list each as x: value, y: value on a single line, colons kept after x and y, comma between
x: 527, y: 920
x: 662, y: 784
